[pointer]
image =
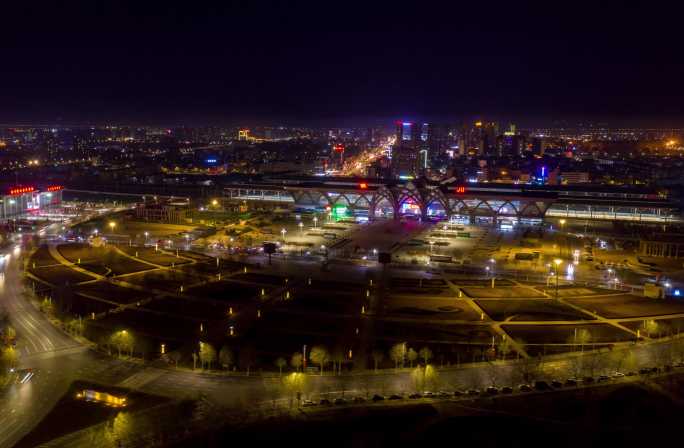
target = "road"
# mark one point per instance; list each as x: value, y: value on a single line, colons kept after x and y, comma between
x: 40, y: 346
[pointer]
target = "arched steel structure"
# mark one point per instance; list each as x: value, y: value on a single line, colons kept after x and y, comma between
x: 384, y: 199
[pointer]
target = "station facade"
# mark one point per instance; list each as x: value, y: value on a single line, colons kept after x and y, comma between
x: 22, y: 201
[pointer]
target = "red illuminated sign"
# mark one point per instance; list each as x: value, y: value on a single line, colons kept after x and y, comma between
x: 363, y: 185
x: 339, y: 148
x: 54, y: 188
x: 21, y: 190
x: 460, y: 190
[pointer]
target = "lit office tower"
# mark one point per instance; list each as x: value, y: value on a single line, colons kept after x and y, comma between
x: 479, y: 139
x: 408, y: 133
x: 510, y: 144
x: 410, y: 139
x: 405, y: 162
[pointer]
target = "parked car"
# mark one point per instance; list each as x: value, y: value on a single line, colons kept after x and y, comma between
x: 507, y: 390
x: 618, y: 375
x: 588, y: 380
x: 428, y: 394
x: 556, y: 384
x: 491, y: 390
x: 603, y: 378
x: 541, y: 385
x: 358, y: 400
x: 525, y: 388
x: 308, y: 403
x: 443, y: 394
x: 377, y: 397
x: 571, y: 382
x: 473, y: 392
x: 458, y: 393
x: 340, y: 401
x: 415, y: 396
x: 395, y: 397
x: 324, y: 401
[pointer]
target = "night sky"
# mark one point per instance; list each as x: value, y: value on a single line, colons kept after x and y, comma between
x: 341, y: 62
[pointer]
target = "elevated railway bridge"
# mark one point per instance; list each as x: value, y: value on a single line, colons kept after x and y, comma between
x: 466, y: 202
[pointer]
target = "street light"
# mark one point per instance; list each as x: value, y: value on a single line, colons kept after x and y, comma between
x: 283, y: 232
x: 315, y: 220
x: 301, y: 226
x: 112, y: 224
x: 557, y: 262
x: 432, y: 243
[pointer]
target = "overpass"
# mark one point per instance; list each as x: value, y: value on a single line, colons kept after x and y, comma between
x: 473, y: 202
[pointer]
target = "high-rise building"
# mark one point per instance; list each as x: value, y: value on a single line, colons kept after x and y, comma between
x: 408, y: 133
x: 405, y: 161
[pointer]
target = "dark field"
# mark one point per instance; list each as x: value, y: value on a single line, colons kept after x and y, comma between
x: 152, y: 256
x: 60, y: 275
x: 498, y: 292
x: 627, y: 305
x: 520, y: 310
x: 97, y: 258
x: 114, y: 293
x: 560, y: 334
x: 430, y: 308
x: 227, y: 291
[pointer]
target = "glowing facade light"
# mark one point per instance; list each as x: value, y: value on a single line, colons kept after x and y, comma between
x: 21, y: 190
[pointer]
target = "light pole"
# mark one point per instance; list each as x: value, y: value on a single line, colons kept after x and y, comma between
x: 301, y: 226
x: 561, y: 244
x: 557, y: 262
x: 432, y: 243
x: 146, y: 235
x: 315, y: 220
x: 283, y: 232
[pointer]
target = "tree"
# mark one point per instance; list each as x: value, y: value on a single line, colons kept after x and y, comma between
x: 337, y: 359
x: 226, y: 357
x: 651, y: 327
x: 207, y: 354
x: 9, y: 334
x: 527, y: 369
x: 75, y: 326
x: 123, y: 341
x: 295, y: 384
x: 175, y: 356
x: 425, y: 354
x: 505, y: 348
x: 398, y: 354
x: 377, y: 358
x: 280, y: 364
x: 411, y: 355
x: 46, y: 306
x: 270, y: 249
x: 247, y: 358
x: 8, y: 355
x: 296, y: 361
x: 319, y: 355
x: 582, y: 337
